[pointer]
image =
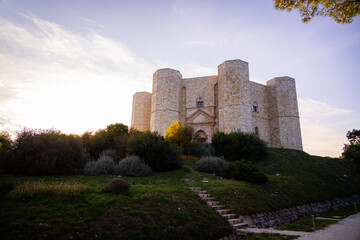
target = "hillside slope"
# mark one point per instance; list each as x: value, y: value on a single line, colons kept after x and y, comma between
x: 295, y: 178
x: 161, y: 206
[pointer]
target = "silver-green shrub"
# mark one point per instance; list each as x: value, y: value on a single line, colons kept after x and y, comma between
x: 212, y: 165
x: 90, y: 168
x: 104, y: 165
x: 132, y: 166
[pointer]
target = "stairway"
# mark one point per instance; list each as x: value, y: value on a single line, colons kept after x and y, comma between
x: 235, y: 223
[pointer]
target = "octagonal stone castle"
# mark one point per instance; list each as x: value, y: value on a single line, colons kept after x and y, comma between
x: 226, y: 102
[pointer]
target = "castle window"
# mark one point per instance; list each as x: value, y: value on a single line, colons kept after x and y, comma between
x: 255, y: 107
x: 200, y: 102
x: 256, y: 131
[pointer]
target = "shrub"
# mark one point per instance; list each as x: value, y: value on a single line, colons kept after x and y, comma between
x: 109, y: 152
x: 104, y: 165
x: 132, y: 166
x: 91, y: 169
x: 103, y: 139
x: 116, y: 185
x: 46, y: 152
x: 5, y: 147
x: 6, y: 186
x: 178, y: 134
x: 198, y: 149
x: 212, y: 165
x: 239, y: 145
x: 96, y: 143
x: 243, y: 170
x: 154, y: 150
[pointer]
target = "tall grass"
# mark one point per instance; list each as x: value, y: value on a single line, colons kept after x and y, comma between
x: 69, y: 190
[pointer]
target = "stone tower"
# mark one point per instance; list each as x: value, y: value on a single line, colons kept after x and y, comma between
x: 141, y: 110
x: 283, y: 113
x: 234, y: 96
x: 226, y: 102
x: 165, y: 99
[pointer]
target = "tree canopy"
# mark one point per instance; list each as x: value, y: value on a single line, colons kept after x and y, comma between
x: 178, y: 134
x: 352, y: 149
x: 341, y: 11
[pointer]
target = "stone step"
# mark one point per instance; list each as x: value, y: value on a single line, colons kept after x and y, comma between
x: 228, y: 216
x: 203, y: 195
x: 208, y: 198
x: 212, y: 203
x: 223, y: 211
x: 218, y: 207
x: 196, y: 189
x: 234, y: 221
x: 239, y: 225
x: 201, y: 192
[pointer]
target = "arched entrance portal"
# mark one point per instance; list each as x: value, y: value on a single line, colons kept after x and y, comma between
x: 200, y: 136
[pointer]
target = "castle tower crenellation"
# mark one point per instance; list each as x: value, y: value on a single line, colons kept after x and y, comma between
x: 226, y: 102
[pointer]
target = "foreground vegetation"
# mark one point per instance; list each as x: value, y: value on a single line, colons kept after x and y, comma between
x: 160, y: 206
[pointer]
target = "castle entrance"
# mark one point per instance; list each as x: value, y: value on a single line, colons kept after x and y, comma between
x: 200, y: 136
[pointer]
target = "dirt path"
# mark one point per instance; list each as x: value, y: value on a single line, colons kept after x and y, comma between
x: 346, y: 229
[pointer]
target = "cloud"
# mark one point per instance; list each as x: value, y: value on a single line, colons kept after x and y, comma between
x: 53, y: 77
x: 324, y: 126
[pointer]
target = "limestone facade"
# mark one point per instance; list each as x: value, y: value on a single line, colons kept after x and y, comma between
x: 226, y: 102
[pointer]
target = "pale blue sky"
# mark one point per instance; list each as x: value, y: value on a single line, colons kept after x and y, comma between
x: 74, y: 65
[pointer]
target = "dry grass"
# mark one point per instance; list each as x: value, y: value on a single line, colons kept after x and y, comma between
x: 49, y: 189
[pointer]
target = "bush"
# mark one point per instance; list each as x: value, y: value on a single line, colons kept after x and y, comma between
x: 178, y: 134
x: 238, y: 145
x: 91, y: 169
x: 116, y: 185
x: 132, y: 166
x: 154, y: 150
x: 46, y: 152
x: 212, y: 165
x: 104, y: 165
x: 6, y: 186
x: 5, y: 148
x: 199, y: 149
x: 103, y: 139
x: 109, y: 152
x: 245, y: 171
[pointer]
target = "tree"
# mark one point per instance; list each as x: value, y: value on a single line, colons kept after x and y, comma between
x: 342, y: 11
x: 352, y: 149
x: 5, y: 147
x: 178, y: 134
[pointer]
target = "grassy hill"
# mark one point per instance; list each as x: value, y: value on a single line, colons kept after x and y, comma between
x: 160, y: 206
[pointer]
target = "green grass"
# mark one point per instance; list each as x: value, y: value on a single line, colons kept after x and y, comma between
x: 160, y: 206
x: 306, y: 225
x: 303, y: 179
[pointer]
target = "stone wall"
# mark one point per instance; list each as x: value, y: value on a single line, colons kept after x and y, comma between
x: 260, y: 119
x: 228, y: 104
x: 284, y: 216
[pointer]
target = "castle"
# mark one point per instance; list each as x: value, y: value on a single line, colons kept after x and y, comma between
x: 226, y: 102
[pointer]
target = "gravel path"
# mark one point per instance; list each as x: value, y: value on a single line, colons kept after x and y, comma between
x: 346, y: 229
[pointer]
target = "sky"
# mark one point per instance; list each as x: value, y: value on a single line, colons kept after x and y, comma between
x: 74, y: 65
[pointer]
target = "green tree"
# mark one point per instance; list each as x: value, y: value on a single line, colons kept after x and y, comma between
x: 352, y: 149
x: 341, y: 11
x: 116, y: 130
x: 178, y: 134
